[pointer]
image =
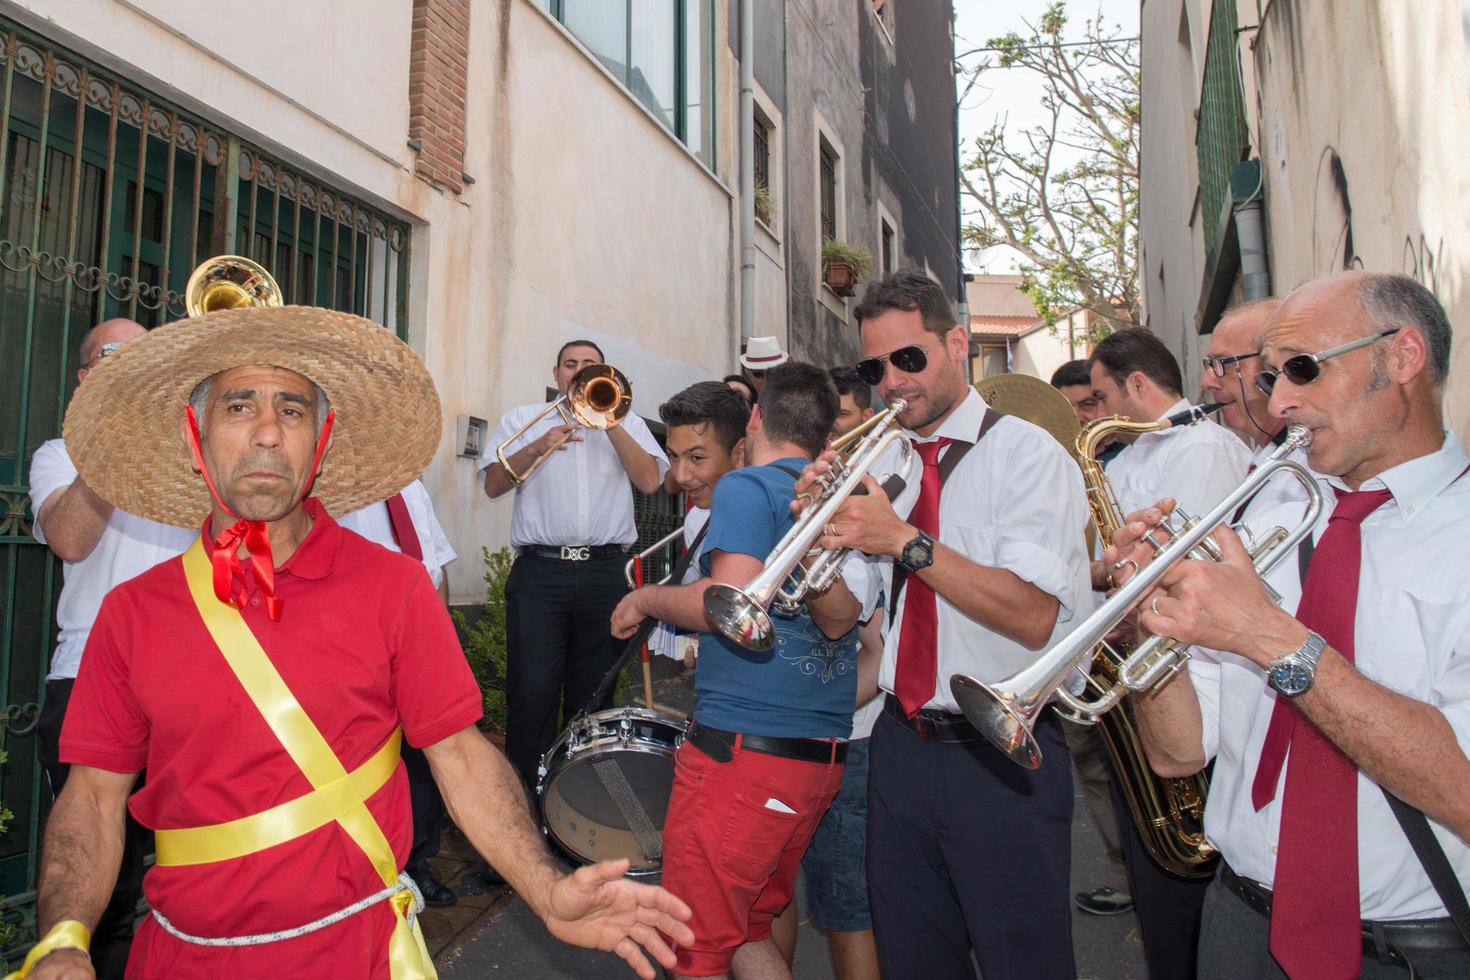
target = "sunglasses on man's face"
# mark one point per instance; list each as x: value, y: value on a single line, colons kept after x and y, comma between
x: 1303, y: 369
x: 1217, y: 365
x: 909, y: 360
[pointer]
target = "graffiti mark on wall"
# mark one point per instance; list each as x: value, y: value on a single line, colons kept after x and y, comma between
x: 1332, y: 217
x: 1423, y: 261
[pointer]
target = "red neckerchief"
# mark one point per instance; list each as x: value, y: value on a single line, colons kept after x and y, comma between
x: 255, y: 534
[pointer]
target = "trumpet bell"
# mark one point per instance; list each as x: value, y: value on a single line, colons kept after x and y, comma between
x: 739, y: 617
x: 228, y: 282
x: 1004, y: 720
x: 599, y: 396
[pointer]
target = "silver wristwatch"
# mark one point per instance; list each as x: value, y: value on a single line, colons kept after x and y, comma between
x: 1293, y: 674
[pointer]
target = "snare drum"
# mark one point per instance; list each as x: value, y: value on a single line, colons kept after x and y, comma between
x: 604, y: 786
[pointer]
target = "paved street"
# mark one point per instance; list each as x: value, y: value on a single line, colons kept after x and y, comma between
x: 505, y: 939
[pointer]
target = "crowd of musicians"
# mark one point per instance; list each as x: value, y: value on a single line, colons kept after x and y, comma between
x: 1325, y: 702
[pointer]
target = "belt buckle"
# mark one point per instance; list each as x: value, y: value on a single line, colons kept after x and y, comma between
x: 927, y: 728
x: 569, y: 553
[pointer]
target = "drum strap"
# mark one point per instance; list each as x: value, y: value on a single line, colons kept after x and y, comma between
x: 650, y: 839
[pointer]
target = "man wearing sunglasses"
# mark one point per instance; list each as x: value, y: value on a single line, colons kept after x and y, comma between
x: 988, y: 568
x: 1135, y: 375
x: 1357, y: 685
x: 100, y: 547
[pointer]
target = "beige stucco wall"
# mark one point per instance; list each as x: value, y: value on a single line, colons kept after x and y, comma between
x: 1039, y: 353
x: 586, y: 218
x: 1354, y: 107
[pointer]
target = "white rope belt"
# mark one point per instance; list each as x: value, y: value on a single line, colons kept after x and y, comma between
x: 403, y: 884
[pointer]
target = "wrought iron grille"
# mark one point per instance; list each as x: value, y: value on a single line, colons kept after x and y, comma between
x: 1222, y: 139
x: 108, y: 199
x: 827, y: 186
x: 762, y: 161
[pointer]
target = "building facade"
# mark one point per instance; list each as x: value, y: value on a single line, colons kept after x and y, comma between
x: 1287, y: 139
x: 487, y: 178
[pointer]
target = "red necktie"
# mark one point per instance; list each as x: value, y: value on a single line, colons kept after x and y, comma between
x: 1315, y: 918
x: 918, y: 640
x: 403, y: 529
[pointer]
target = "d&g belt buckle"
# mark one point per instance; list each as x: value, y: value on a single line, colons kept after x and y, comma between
x: 570, y: 553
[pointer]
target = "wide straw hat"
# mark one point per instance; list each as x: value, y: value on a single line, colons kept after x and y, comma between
x: 122, y: 427
x: 1035, y: 401
x: 763, y: 353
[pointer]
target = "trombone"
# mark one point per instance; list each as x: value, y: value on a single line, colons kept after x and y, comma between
x: 740, y: 614
x: 1006, y: 711
x: 228, y: 282
x: 657, y: 546
x: 599, y: 397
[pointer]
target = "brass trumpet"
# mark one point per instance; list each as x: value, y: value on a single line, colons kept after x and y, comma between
x: 228, y: 282
x: 1006, y: 711
x: 598, y: 397
x: 740, y: 614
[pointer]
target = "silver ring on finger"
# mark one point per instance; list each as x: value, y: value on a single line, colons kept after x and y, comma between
x: 831, y: 530
x: 1154, y: 606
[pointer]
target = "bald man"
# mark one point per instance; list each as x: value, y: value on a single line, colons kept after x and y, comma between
x: 1230, y: 370
x: 100, y: 547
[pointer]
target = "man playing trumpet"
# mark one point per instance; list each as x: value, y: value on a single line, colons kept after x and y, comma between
x: 989, y: 568
x: 1325, y: 712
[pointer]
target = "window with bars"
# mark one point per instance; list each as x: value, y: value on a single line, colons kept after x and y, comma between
x: 885, y: 246
x: 761, y: 138
x: 827, y: 188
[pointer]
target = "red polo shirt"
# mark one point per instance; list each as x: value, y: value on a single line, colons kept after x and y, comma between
x: 365, y: 644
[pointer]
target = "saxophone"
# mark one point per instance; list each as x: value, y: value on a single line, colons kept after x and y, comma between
x: 1168, y: 813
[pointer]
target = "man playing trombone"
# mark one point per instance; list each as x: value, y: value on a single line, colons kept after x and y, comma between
x: 965, y: 850
x: 572, y: 527
x: 765, y: 752
x: 1337, y: 715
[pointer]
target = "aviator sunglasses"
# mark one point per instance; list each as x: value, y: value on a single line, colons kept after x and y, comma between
x: 1305, y: 368
x: 909, y: 360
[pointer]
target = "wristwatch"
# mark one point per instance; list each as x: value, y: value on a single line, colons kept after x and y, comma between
x: 917, y: 554
x: 1292, y: 675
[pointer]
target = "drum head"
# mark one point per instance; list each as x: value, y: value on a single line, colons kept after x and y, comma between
x: 611, y: 804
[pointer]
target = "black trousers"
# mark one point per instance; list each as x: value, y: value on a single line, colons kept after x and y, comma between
x: 428, y: 812
x: 969, y: 851
x: 1168, y: 907
x: 559, y: 645
x: 113, y: 937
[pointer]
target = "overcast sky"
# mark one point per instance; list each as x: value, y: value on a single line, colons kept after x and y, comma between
x: 1016, y: 93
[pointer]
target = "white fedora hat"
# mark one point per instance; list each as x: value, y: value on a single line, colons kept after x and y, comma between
x: 763, y: 353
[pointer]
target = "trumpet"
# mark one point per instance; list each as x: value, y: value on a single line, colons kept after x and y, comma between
x: 598, y: 397
x: 1005, y: 712
x: 741, y: 614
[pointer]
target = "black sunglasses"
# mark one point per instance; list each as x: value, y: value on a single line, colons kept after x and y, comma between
x: 1217, y: 365
x: 909, y: 360
x: 1305, y: 368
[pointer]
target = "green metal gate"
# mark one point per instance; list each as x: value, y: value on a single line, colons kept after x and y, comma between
x: 109, y: 197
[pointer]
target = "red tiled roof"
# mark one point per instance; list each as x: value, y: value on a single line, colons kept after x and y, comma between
x: 1006, y: 326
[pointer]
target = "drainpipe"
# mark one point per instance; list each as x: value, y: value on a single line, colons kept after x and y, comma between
x: 747, y: 170
x: 963, y: 311
x: 1255, y: 276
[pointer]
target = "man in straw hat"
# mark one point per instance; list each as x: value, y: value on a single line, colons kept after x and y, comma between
x: 267, y: 677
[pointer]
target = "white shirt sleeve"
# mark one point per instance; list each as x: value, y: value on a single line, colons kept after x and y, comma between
x: 51, y: 470
x: 1043, y: 528
x: 433, y: 542
x: 638, y: 429
x: 861, y: 575
x: 509, y: 422
x: 1204, y: 673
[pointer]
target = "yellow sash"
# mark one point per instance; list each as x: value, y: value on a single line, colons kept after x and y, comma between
x: 336, y: 795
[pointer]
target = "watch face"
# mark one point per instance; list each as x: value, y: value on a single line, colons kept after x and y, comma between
x: 1291, y: 678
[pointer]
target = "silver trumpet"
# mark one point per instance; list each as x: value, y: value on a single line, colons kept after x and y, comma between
x: 741, y: 614
x: 1006, y: 711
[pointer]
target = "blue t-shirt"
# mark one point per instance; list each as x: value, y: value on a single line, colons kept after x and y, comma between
x: 806, y: 685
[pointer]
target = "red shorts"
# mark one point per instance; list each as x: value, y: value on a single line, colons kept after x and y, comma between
x: 732, y: 857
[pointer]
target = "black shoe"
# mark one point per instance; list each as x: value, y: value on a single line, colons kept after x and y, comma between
x: 481, y: 882
x: 1103, y: 901
x: 436, y: 894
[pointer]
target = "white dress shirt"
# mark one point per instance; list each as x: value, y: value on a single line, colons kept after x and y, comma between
x: 665, y: 640
x: 1195, y: 464
x: 1279, y: 491
x: 128, y: 547
x: 581, y: 495
x: 1014, y: 502
x: 373, y: 523
x: 1412, y: 635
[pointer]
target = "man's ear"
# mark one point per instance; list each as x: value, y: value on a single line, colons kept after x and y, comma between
x: 958, y: 342
x: 737, y: 454
x: 867, y: 414
x: 754, y: 424
x: 185, y: 441
x: 1408, y: 355
x: 1138, y: 383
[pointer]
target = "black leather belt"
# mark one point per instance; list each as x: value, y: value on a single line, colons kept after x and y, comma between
x: 720, y: 746
x: 574, y: 552
x: 1386, y: 942
x: 932, y: 725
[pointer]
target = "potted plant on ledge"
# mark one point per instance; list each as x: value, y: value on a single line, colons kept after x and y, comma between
x: 843, y: 265
x: 765, y: 205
